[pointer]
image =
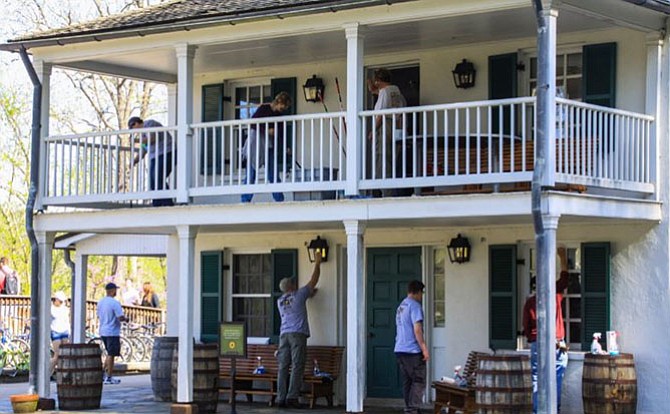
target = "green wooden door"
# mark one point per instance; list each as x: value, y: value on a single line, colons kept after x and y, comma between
x: 388, y: 272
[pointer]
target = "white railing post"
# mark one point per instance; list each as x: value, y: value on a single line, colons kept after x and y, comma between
x: 355, y: 77
x: 45, y: 242
x: 43, y: 70
x: 652, y: 104
x: 185, y: 55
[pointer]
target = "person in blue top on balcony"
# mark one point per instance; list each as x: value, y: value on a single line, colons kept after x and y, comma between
x: 159, y: 147
x: 410, y: 348
x: 253, y: 150
x: 293, y: 335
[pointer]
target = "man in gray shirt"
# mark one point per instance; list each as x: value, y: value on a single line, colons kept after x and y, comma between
x: 294, y: 332
x: 161, y: 159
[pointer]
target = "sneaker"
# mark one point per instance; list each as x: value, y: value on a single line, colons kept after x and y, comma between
x: 111, y: 380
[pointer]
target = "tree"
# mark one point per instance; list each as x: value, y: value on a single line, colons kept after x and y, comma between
x: 110, y: 102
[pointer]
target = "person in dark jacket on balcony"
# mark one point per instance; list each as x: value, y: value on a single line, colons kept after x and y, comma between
x: 161, y: 157
x: 253, y: 150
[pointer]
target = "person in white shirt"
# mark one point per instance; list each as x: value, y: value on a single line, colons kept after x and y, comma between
x: 130, y: 296
x: 60, y: 326
x: 385, y: 126
x: 111, y: 315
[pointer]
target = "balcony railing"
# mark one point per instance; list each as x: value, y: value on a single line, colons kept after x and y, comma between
x: 484, y: 143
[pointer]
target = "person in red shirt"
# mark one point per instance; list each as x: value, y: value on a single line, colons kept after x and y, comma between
x: 530, y: 330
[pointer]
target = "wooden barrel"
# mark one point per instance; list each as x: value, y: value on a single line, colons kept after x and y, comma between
x: 79, y: 377
x: 205, y: 377
x: 161, y: 367
x: 504, y: 384
x: 609, y: 384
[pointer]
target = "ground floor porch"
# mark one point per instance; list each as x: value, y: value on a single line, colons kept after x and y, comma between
x: 359, y: 289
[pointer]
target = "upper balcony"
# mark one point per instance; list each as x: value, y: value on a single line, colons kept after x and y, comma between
x: 485, y: 146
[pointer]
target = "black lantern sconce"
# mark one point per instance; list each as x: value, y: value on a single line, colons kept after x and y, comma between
x: 317, y: 246
x: 459, y: 249
x: 464, y: 75
x: 313, y: 89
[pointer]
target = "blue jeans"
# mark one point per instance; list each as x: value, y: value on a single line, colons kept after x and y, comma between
x: 269, y: 171
x: 561, y: 365
x: 159, y: 170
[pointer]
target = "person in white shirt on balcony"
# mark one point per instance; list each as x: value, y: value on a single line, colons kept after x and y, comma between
x: 389, y: 97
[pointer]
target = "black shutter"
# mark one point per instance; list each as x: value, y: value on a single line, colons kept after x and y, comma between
x: 502, y: 297
x: 595, y: 291
x: 212, y: 111
x: 211, y: 265
x: 288, y: 85
x: 284, y: 264
x: 502, y: 85
x: 599, y: 74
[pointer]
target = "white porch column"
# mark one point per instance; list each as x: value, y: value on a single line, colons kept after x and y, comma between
x: 43, y: 70
x: 185, y: 368
x: 653, y: 103
x: 355, y: 88
x: 185, y: 54
x: 172, y: 317
x: 356, y: 324
x: 45, y: 241
x: 546, y: 317
x: 172, y: 104
x: 79, y: 299
x: 546, y: 102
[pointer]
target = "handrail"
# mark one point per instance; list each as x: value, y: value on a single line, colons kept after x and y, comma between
x: 457, y: 105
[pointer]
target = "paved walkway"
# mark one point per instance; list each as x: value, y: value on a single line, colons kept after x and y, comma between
x: 134, y: 395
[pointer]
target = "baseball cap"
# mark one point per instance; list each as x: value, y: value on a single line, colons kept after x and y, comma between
x: 60, y: 295
x: 110, y: 286
x: 133, y: 120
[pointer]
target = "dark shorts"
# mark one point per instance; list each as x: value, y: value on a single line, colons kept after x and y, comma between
x: 112, y: 345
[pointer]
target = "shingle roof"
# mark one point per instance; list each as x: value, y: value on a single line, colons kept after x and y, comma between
x: 176, y: 14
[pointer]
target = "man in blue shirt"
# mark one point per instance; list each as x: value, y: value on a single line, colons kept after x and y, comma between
x: 111, y: 315
x: 293, y: 335
x: 410, y: 347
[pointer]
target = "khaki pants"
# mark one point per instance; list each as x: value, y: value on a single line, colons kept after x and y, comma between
x: 384, y: 168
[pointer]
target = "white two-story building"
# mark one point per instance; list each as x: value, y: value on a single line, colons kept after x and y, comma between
x: 461, y: 163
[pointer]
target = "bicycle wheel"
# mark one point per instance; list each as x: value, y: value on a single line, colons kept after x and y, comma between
x: 126, y: 350
x: 139, y: 350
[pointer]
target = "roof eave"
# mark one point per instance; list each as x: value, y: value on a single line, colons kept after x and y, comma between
x: 662, y: 6
x: 190, y: 24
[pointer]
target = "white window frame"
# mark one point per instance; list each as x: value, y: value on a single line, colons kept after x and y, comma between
x: 249, y: 83
x: 564, y: 52
x: 228, y: 307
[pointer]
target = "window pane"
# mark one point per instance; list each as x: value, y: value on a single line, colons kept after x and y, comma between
x: 574, y: 285
x: 252, y: 273
x: 255, y: 94
x: 439, y: 287
x: 267, y: 94
x: 575, y: 308
x: 574, y: 88
x: 575, y: 332
x: 574, y: 64
x: 240, y: 96
x: 560, y: 61
x: 533, y: 68
x: 256, y: 312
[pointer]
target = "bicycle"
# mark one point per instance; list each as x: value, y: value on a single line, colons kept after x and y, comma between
x: 14, y: 354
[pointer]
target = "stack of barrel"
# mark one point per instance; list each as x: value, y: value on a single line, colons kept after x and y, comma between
x: 164, y: 363
x: 79, y: 377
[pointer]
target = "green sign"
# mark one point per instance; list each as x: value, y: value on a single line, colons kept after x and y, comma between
x: 233, y: 339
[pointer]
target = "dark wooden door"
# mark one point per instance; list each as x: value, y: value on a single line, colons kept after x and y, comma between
x: 388, y: 272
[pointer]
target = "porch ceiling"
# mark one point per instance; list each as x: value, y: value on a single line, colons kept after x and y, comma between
x: 470, y: 210
x: 160, y: 64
